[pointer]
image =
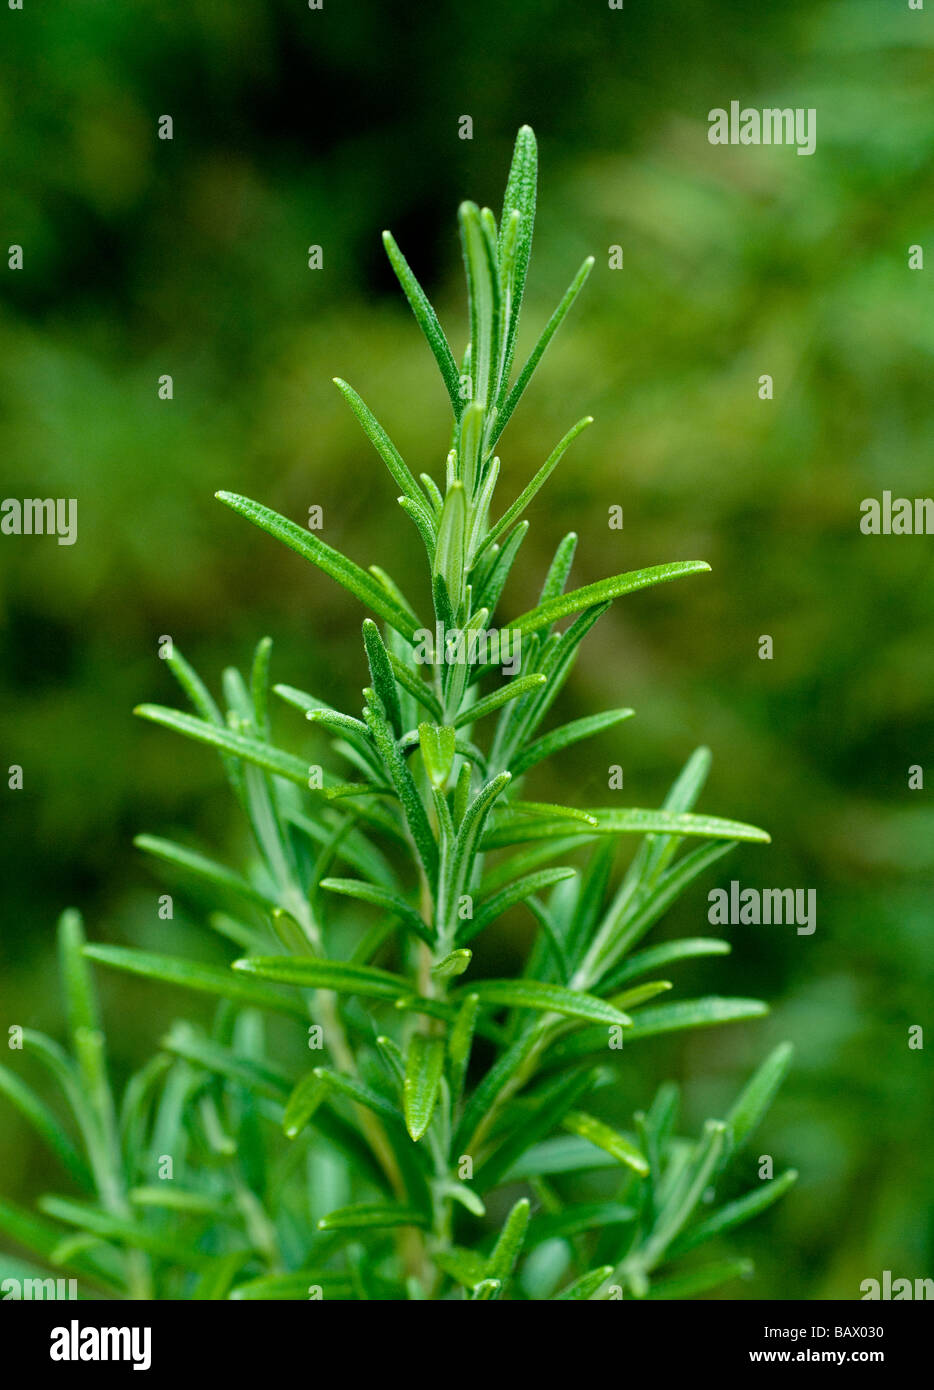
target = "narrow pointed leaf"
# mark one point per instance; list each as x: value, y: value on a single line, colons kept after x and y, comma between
x: 536, y: 484
x: 535, y: 994
x: 759, y: 1093
x: 629, y: 820
x: 506, y: 1251
x: 700, y: 1280
x: 735, y: 1213
x: 438, y: 747
x: 549, y: 331
x: 381, y: 897
x: 566, y: 735
x: 427, y: 321
x: 587, y: 1286
x: 207, y: 869
x: 381, y: 672
x: 45, y: 1124
x: 381, y: 442
x: 368, y: 590
x: 644, y: 961
x: 424, y: 1064
x: 252, y: 750
x: 555, y: 609
x: 494, y: 906
x: 368, y: 1216
x: 520, y: 685
x: 325, y: 974
x: 606, y: 1138
x: 193, y: 975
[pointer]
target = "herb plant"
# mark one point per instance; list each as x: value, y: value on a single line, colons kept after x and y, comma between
x: 444, y: 1138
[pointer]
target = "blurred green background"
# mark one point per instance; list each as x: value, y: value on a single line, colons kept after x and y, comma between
x: 294, y: 127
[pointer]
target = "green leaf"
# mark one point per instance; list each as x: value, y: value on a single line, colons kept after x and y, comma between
x: 685, y: 1193
x: 694, y: 1013
x: 368, y: 590
x: 535, y: 994
x: 564, y: 737
x: 251, y: 750
x: 81, y: 1006
x: 587, y: 1286
x: 490, y: 592
x: 506, y: 1251
x: 521, y: 685
x: 381, y: 443
x: 534, y: 1125
x: 555, y: 609
x: 735, y: 1213
x: 259, y: 685
x: 296, y: 1286
x: 450, y: 548
x: 503, y: 1072
x: 665, y: 1018
x: 325, y: 974
x: 483, y: 295
x: 122, y: 1230
x: 41, y: 1238
x: 359, y: 1093
x: 424, y: 1065
x: 207, y: 869
x: 368, y: 1216
x: 417, y: 688
x: 628, y: 820
x: 427, y: 321
x: 466, y: 1267
x: 302, y: 1103
x: 564, y: 1154
x: 486, y: 1290
x: 452, y: 965
x: 494, y: 906
x: 381, y: 673
x: 437, y: 745
x: 632, y: 998
x: 381, y: 897
x: 549, y: 331
x: 459, y: 865
x: 171, y: 1197
x: 535, y: 485
x: 184, y: 1041
x: 579, y: 1217
x: 45, y: 1124
x: 193, y: 975
x: 644, y: 961
x: 460, y: 1042
x: 406, y: 790
x: 758, y: 1094
x: 606, y: 1138
x: 550, y: 811
x: 215, y: 1280
x: 700, y: 1280
x: 515, y: 238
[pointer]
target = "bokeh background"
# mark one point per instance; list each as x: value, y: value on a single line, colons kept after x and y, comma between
x: 294, y: 127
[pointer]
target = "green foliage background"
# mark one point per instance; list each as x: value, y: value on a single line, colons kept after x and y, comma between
x: 295, y: 127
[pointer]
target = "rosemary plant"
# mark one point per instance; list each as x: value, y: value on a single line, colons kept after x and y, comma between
x: 445, y: 1138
